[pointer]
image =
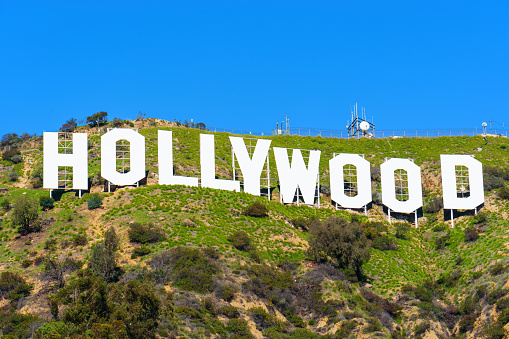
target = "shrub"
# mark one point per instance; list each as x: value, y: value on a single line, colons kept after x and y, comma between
x: 345, y: 243
x: 191, y: 270
x: 503, y: 193
x: 434, y: 205
x: 226, y: 292
x: 57, y: 266
x: 18, y: 325
x: 103, y: 260
x: 481, y: 218
x: 442, y: 242
x: 304, y: 223
x: 25, y: 215
x: 13, y: 176
x: 497, y: 269
x: 118, y: 310
x: 5, y: 204
x: 94, y: 201
x: 145, y: 234
x: 79, y: 240
x: 12, y: 155
x: 211, y: 252
x: 492, y: 182
x: 377, y: 198
x: 256, y: 209
x: 264, y: 320
x: 229, y: 311
x: 13, y: 285
x: 401, y: 231
x: 449, y: 279
x: 471, y: 234
x: 241, y: 241
x: 46, y: 203
x: 140, y: 251
x: 50, y: 244
x: 26, y: 263
x: 384, y: 243
x: 239, y: 328
x: 265, y: 280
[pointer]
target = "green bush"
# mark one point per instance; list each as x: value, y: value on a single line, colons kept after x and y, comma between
x: 13, y: 176
x: 13, y: 285
x: 226, y: 292
x: 239, y: 329
x: 103, y: 260
x: 481, y: 218
x: 140, y: 251
x: 304, y: 223
x: 264, y: 320
x: 46, y: 203
x: 342, y: 242
x: 503, y: 193
x: 471, y: 234
x: 401, y: 231
x: 26, y: 263
x: 434, y: 205
x: 16, y: 325
x: 442, y: 242
x: 94, y: 201
x: 257, y: 210
x: 12, y: 155
x: 241, y: 241
x: 79, y: 239
x: 191, y: 269
x: 117, y: 310
x: 25, y: 215
x: 144, y: 234
x: 384, y: 243
x: 497, y: 269
x: 449, y: 279
x: 229, y: 311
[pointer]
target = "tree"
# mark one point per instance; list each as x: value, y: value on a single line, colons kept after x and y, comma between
x: 342, y: 242
x: 104, y: 259
x: 69, y: 126
x: 25, y: 214
x: 10, y: 139
x: 201, y: 126
x: 97, y: 118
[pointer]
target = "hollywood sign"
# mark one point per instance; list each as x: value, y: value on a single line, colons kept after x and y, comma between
x: 293, y: 176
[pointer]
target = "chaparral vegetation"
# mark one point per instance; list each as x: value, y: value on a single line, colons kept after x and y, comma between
x: 159, y: 261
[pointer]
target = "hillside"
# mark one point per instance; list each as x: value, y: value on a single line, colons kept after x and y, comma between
x: 208, y: 280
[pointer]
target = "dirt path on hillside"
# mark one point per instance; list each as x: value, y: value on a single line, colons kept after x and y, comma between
x: 28, y: 167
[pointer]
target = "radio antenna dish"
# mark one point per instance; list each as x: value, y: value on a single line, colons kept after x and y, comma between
x: 364, y: 126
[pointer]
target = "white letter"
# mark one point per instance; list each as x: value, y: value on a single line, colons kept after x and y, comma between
x: 475, y: 179
x: 251, y: 168
x: 78, y: 160
x: 109, y: 155
x: 297, y: 175
x: 165, y: 159
x: 414, y: 201
x: 337, y: 180
x: 208, y: 166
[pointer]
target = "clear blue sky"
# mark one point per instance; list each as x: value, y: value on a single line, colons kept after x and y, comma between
x: 244, y: 64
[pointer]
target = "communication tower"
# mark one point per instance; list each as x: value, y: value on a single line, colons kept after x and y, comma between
x: 360, y: 126
x: 280, y: 130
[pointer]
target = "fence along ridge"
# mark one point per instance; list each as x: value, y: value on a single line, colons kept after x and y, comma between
x: 327, y: 133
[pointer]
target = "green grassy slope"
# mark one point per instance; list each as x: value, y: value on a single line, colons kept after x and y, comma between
x: 200, y: 217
